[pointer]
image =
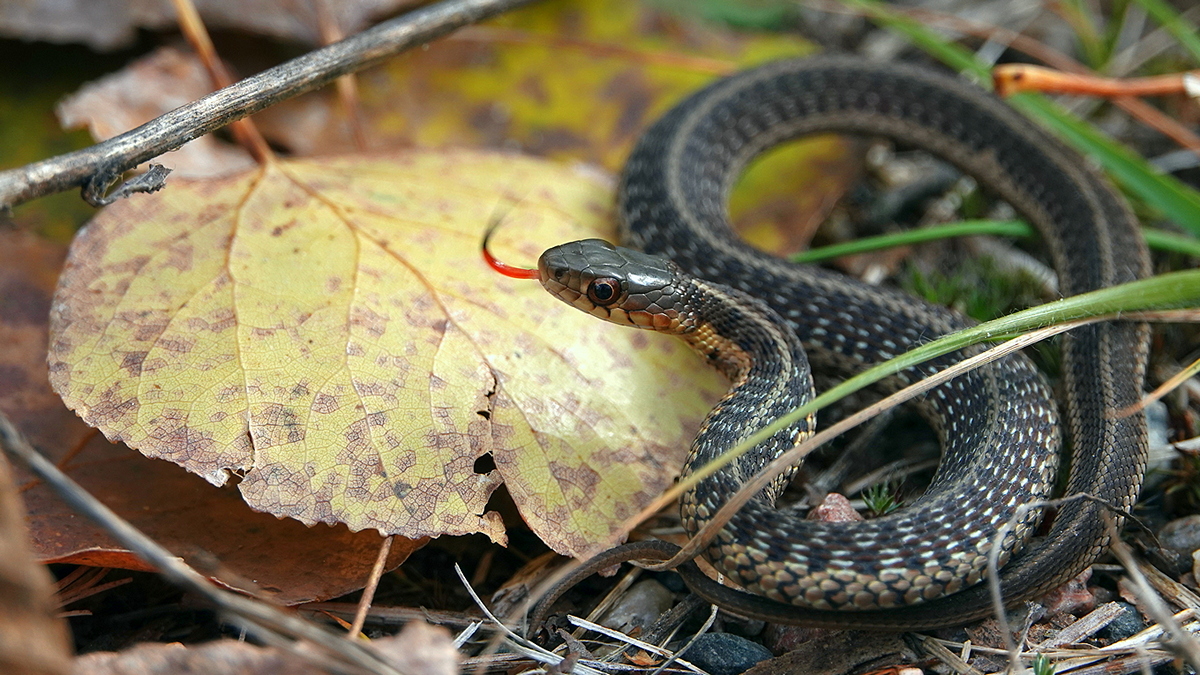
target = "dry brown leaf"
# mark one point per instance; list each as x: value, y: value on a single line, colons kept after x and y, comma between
x: 326, y: 333
x: 203, y: 524
x: 421, y: 649
x: 33, y: 640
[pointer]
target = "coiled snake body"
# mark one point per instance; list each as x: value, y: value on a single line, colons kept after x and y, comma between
x: 918, y: 567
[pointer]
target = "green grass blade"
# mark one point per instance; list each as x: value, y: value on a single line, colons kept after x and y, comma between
x: 1159, y: 240
x: 1180, y: 28
x: 966, y: 228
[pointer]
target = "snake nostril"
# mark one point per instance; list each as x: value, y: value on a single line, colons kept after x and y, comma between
x: 560, y: 272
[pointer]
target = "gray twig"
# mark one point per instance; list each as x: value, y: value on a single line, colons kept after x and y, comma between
x: 97, y: 166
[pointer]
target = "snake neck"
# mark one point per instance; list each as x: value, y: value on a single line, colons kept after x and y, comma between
x: 766, y: 364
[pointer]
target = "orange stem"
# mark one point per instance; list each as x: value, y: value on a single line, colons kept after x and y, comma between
x: 243, y: 130
x: 1016, y: 77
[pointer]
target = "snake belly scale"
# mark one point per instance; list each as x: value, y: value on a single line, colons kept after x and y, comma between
x: 998, y: 425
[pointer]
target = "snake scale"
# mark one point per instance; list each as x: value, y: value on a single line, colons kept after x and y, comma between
x: 999, y: 428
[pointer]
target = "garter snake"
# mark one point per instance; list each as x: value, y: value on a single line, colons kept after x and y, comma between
x: 999, y: 428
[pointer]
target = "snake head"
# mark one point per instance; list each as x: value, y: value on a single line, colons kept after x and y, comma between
x: 616, y: 284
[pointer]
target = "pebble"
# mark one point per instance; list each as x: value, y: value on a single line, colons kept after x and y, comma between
x: 835, y: 509
x: 640, y: 607
x: 1126, y: 624
x: 1073, y: 597
x: 1196, y: 565
x: 1182, y: 534
x: 781, y: 639
x: 725, y: 654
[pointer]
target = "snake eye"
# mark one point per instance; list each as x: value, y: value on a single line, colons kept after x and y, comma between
x: 604, y: 291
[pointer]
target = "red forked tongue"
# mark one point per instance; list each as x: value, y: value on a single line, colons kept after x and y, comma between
x: 503, y: 267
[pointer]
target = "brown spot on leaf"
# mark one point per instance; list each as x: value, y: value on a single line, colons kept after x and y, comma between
x: 372, y: 322
x: 130, y: 267
x: 365, y: 388
x: 132, y: 363
x: 180, y: 257
x: 177, y: 438
x: 630, y: 90
x: 582, y: 477
x: 281, y: 423
x: 110, y: 410
x: 178, y: 345
x: 147, y: 332
x: 222, y: 319
x: 532, y: 87
x: 325, y: 404
x: 442, y: 441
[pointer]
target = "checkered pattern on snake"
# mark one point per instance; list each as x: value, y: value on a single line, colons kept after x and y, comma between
x: 998, y: 425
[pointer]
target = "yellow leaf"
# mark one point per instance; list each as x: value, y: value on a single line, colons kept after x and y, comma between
x: 325, y: 331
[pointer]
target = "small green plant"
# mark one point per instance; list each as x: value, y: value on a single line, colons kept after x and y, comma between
x: 978, y: 288
x: 1042, y: 666
x: 881, y: 499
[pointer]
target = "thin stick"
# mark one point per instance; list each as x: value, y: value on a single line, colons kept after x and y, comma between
x: 368, y: 594
x: 94, y: 168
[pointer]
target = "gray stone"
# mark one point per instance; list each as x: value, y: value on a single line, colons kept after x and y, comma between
x: 725, y: 654
x: 1182, y: 534
x: 640, y: 607
x: 1126, y: 624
